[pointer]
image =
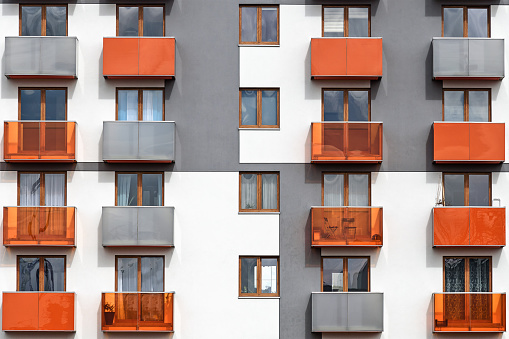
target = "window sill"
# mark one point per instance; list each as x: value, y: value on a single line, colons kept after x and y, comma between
x: 259, y: 213
x: 260, y: 297
x: 255, y: 45
x: 259, y: 128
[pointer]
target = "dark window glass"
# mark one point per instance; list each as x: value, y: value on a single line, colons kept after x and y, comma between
x: 28, y: 274
x: 128, y: 21
x: 454, y: 190
x: 31, y: 20
x: 55, y: 104
x: 358, y: 274
x: 153, y: 21
x: 152, y: 189
x: 30, y: 103
x: 479, y: 190
x: 152, y: 273
x: 333, y: 106
x: 56, y: 21
x: 127, y: 189
x: 249, y: 107
x: 333, y: 275
x: 248, y: 278
x: 454, y: 274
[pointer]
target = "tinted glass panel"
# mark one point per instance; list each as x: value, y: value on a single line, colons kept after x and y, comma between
x: 333, y: 189
x: 358, y: 274
x: 127, y: 105
x: 127, y: 272
x: 153, y: 21
x: 479, y: 274
x: 152, y: 105
x: 269, y: 24
x: 333, y: 275
x: 269, y: 191
x: 31, y: 20
x: 333, y: 106
x: 248, y: 189
x: 269, y: 275
x: 477, y: 22
x: 127, y: 190
x: 248, y: 275
x: 479, y: 190
x: 55, y: 104
x: 249, y: 108
x: 454, y: 190
x: 54, y: 274
x: 358, y: 106
x: 453, y: 22
x: 454, y: 272
x: 248, y: 24
x: 478, y: 106
x: 30, y: 102
x: 152, y: 270
x: 333, y: 21
x: 28, y: 274
x: 152, y: 189
x: 128, y: 21
x: 358, y: 22
x: 358, y: 190
x: 56, y: 18
x: 454, y: 102
x: 269, y: 108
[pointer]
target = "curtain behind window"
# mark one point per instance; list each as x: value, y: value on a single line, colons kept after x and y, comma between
x: 248, y: 189
x: 152, y: 272
x: 54, y: 189
x: 152, y: 105
x: 269, y: 191
x: 127, y: 190
x: 127, y: 105
x: 127, y: 271
x: 29, y: 189
x: 358, y: 190
x: 333, y: 189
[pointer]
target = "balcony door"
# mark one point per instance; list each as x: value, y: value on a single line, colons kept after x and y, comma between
x: 467, y: 189
x: 140, y: 104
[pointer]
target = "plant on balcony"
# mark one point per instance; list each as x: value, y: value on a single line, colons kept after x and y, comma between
x: 109, y: 313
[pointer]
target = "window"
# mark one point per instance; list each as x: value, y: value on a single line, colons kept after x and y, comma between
x: 43, y: 20
x: 140, y: 104
x: 346, y: 105
x: 259, y: 276
x: 259, y: 192
x: 139, y: 189
x: 466, y: 274
x: 467, y: 189
x: 346, y: 189
x: 259, y: 108
x: 140, y: 20
x: 259, y: 25
x: 32, y: 278
x: 139, y: 274
x: 42, y: 104
x: 467, y: 105
x: 345, y: 274
x: 346, y: 21
x: 42, y: 189
x: 463, y: 21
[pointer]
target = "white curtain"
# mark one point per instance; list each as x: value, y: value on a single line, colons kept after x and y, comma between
x: 358, y: 190
x: 29, y: 189
x: 54, y: 189
x: 269, y: 191
x: 127, y: 274
x: 333, y: 189
x: 128, y: 105
x: 124, y: 195
x: 152, y: 274
x: 152, y: 105
x: 248, y: 189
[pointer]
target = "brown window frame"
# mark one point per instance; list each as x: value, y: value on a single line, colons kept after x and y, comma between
x: 258, y: 107
x: 43, y: 16
x: 345, y: 100
x: 258, y: 276
x: 139, y: 268
x: 466, y: 186
x: 140, y: 17
x: 42, y: 187
x: 345, y: 270
x: 140, y: 99
x: 345, y: 22
x: 258, y: 192
x: 467, y: 270
x: 139, y: 186
x: 258, y: 26
x: 465, y: 18
x: 345, y: 185
x: 41, y: 272
x: 465, y: 100
x: 43, y: 99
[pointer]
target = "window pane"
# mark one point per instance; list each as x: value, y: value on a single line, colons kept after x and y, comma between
x: 333, y: 189
x: 248, y: 33
x: 358, y: 275
x: 127, y: 105
x: 269, y: 24
x: 479, y: 190
x: 333, y: 21
x: 31, y: 20
x: 248, y: 275
x: 152, y: 105
x: 358, y: 22
x: 269, y: 191
x: 249, y: 108
x: 54, y: 189
x: 269, y: 108
x: 358, y: 106
x: 332, y: 275
x: 127, y: 272
x: 454, y: 190
x: 453, y: 22
x: 248, y: 189
x: 479, y: 274
x: 29, y: 189
x: 152, y: 272
x: 28, y: 274
x: 358, y: 190
x: 477, y: 22
x: 56, y: 18
x: 454, y: 102
x: 478, y: 106
x: 128, y: 21
x: 55, y: 104
x: 333, y: 106
x: 269, y: 275
x: 152, y: 189
x: 30, y: 102
x: 54, y: 274
x: 127, y: 190
x: 153, y: 21
x: 454, y: 275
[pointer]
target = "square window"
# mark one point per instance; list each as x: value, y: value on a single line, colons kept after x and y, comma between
x: 42, y: 104
x: 43, y: 20
x: 146, y: 104
x: 346, y: 21
x: 259, y: 25
x: 346, y: 189
x: 259, y: 192
x: 140, y: 20
x: 466, y: 21
x: 139, y: 274
x: 259, y: 276
x: 346, y: 105
x: 345, y: 274
x: 467, y: 105
x: 259, y: 108
x: 139, y: 189
x: 41, y: 273
x: 467, y: 189
x: 42, y: 189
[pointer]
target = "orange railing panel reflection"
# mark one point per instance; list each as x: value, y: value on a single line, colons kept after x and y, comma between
x: 346, y: 142
x: 39, y: 226
x: 469, y: 312
x: 137, y: 311
x: 51, y: 141
x: 346, y: 226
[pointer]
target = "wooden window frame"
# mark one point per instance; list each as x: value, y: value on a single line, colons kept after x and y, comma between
x: 43, y: 16
x: 466, y: 186
x: 139, y: 186
x: 42, y: 176
x: 258, y: 276
x: 345, y: 271
x: 345, y: 185
x: 43, y: 99
x: 258, y: 108
x: 467, y: 270
x: 258, y: 25
x: 140, y: 17
x: 465, y: 18
x: 259, y: 191
x: 465, y: 100
x: 140, y: 99
x: 41, y: 272
x: 345, y: 17
x: 345, y: 100
x: 139, y: 268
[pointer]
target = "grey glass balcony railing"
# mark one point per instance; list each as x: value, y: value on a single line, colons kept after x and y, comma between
x: 137, y: 226
x: 139, y: 141
x: 41, y: 57
x: 347, y: 311
x: 468, y: 58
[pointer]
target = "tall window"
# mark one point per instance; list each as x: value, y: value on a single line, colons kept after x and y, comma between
x: 139, y: 189
x: 346, y: 21
x: 467, y: 189
x: 259, y: 192
x: 346, y: 105
x: 140, y: 104
x: 259, y: 108
x: 41, y: 273
x: 139, y: 274
x: 42, y: 104
x: 342, y: 189
x: 466, y: 21
x: 259, y: 276
x: 43, y: 20
x: 259, y: 25
x: 345, y: 274
x: 467, y: 105
x: 140, y: 20
x: 42, y: 189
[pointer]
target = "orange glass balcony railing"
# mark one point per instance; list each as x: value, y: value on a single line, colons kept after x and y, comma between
x: 469, y: 142
x: 346, y: 226
x: 39, y: 226
x: 38, y: 311
x: 469, y: 226
x: 47, y: 141
x: 346, y: 58
x: 469, y: 312
x: 354, y: 142
x: 139, y: 57
x: 137, y: 312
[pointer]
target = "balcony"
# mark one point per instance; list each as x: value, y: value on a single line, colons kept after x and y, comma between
x: 468, y: 59
x: 469, y: 312
x: 137, y: 312
x: 346, y: 58
x: 38, y: 311
x: 46, y: 57
x: 139, y: 58
x: 39, y: 226
x: 469, y: 226
x: 346, y: 226
x: 138, y: 226
x: 468, y: 142
x: 347, y: 312
x: 39, y: 141
x: 348, y: 142
x: 139, y: 141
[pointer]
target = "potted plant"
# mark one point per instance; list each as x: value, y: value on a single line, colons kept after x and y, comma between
x: 109, y: 313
